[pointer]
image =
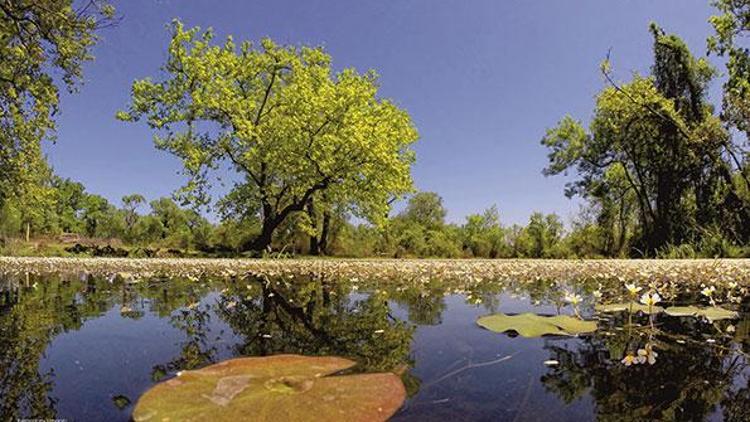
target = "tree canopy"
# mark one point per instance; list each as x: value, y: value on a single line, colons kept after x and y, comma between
x: 655, y: 148
x: 39, y: 40
x: 283, y: 120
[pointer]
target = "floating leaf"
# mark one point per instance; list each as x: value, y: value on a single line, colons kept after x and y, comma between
x: 712, y: 314
x: 533, y: 325
x: 281, y: 387
x: 620, y: 307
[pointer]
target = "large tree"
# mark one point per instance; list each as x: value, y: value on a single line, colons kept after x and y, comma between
x: 655, y: 141
x: 39, y: 40
x: 731, y: 26
x: 283, y: 120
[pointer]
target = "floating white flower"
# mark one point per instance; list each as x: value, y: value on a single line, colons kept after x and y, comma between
x: 572, y: 298
x: 708, y: 291
x: 650, y: 299
x: 633, y: 289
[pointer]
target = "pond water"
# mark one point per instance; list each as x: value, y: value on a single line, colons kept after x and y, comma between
x: 87, y: 347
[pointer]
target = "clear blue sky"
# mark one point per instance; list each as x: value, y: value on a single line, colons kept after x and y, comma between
x: 481, y: 79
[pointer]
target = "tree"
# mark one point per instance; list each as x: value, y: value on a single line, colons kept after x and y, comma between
x: 36, y: 201
x: 171, y: 217
x: 426, y: 208
x: 100, y: 218
x: 69, y: 203
x: 730, y: 26
x: 38, y: 39
x: 284, y: 121
x: 420, y: 229
x: 544, y: 234
x: 130, y: 204
x: 655, y: 146
x: 173, y: 226
x: 483, y: 235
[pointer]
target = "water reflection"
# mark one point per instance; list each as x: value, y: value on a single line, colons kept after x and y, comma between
x: 315, y: 317
x: 698, y: 371
x: 120, y: 336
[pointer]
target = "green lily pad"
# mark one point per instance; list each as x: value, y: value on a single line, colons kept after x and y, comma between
x: 533, y: 325
x: 281, y: 387
x: 712, y: 314
x: 621, y: 307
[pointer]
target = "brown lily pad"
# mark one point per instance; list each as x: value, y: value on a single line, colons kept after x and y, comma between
x: 281, y: 387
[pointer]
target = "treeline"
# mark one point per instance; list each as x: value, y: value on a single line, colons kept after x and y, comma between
x: 419, y: 231
x: 67, y: 209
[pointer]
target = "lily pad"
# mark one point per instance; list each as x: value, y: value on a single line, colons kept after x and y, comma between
x: 533, y: 325
x: 712, y: 314
x: 281, y: 387
x: 620, y: 307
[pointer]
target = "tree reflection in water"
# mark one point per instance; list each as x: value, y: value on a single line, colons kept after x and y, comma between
x: 690, y: 379
x: 31, y: 315
x: 315, y: 317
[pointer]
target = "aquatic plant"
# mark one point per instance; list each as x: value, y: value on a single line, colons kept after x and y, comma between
x: 711, y: 314
x: 533, y: 325
x: 280, y: 387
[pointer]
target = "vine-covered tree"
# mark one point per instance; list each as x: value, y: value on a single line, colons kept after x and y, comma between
x: 287, y: 124
x: 655, y: 146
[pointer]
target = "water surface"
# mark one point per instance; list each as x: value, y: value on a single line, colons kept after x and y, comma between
x: 86, y: 347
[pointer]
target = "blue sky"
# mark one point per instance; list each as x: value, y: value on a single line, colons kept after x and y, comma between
x: 481, y: 79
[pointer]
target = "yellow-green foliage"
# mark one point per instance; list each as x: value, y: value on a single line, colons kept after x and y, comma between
x: 38, y: 37
x: 285, y: 121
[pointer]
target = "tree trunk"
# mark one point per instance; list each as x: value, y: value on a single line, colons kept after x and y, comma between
x: 324, y: 233
x: 314, y: 244
x: 623, y: 228
x: 28, y: 232
x: 272, y: 219
x: 263, y: 241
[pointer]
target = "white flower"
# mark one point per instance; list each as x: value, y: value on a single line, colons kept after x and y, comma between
x: 641, y: 356
x: 629, y: 359
x: 708, y: 291
x: 649, y: 354
x: 633, y: 289
x: 650, y: 299
x: 572, y: 298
